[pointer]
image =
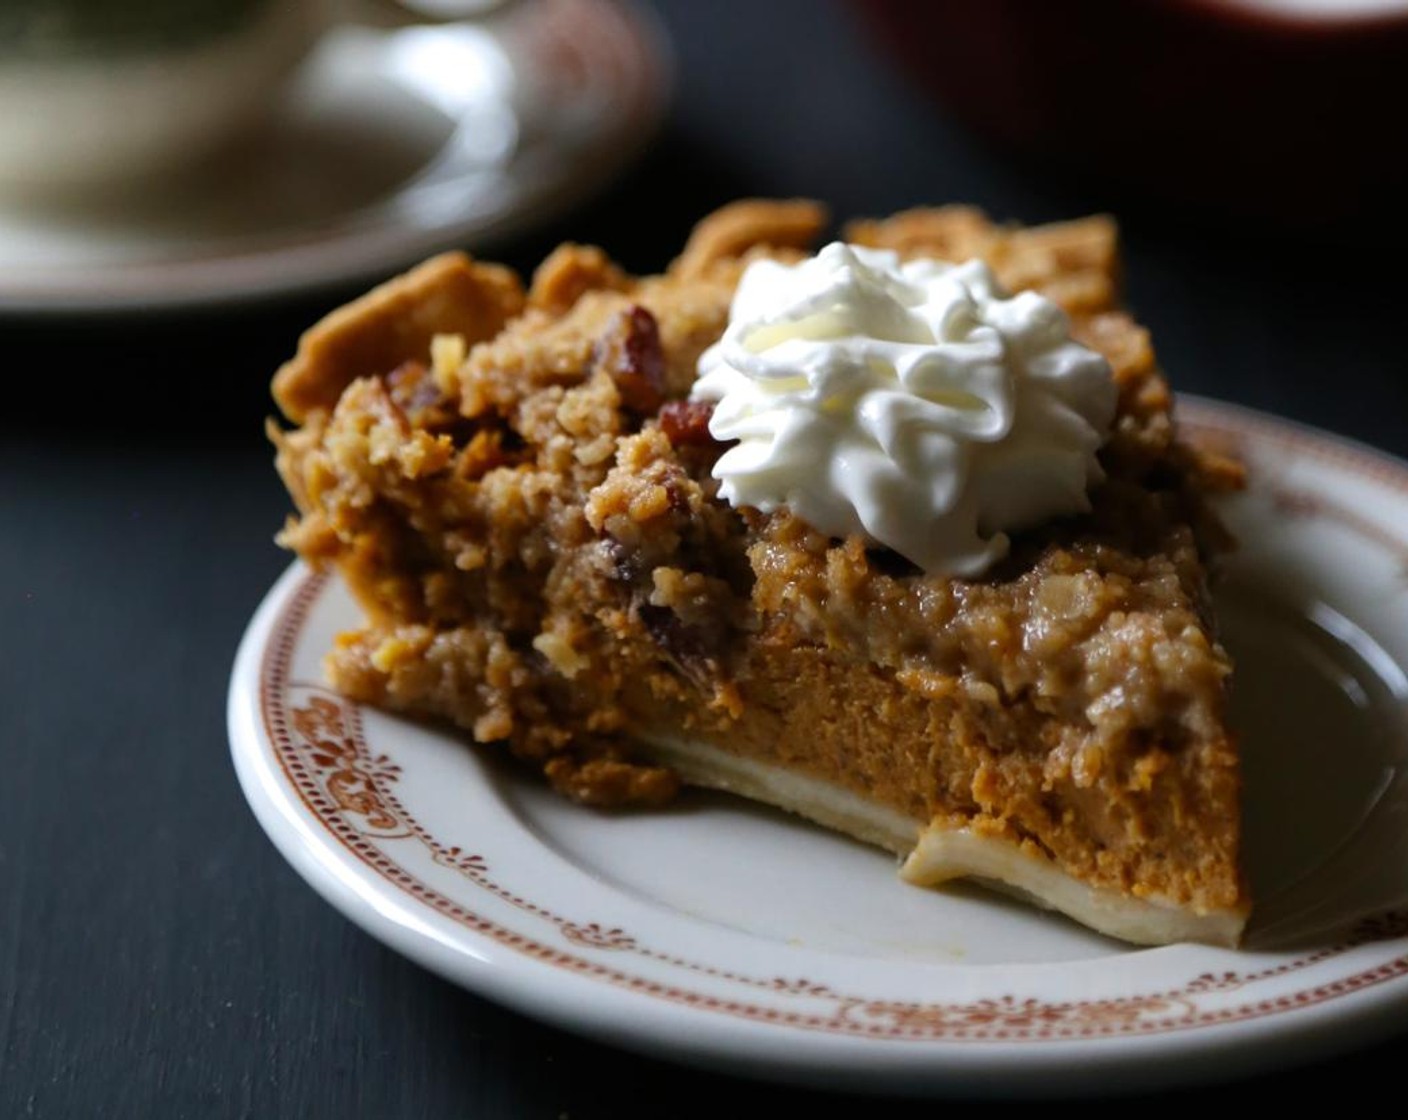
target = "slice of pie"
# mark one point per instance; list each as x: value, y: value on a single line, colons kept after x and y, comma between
x: 519, y: 488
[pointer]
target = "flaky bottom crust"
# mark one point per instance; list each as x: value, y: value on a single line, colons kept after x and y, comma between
x: 938, y: 851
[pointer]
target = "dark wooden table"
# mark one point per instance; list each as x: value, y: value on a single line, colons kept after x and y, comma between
x: 157, y: 957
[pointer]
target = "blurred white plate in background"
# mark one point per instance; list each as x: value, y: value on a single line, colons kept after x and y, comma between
x: 390, y: 146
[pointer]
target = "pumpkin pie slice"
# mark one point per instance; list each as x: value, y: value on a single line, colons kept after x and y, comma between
x: 521, y: 486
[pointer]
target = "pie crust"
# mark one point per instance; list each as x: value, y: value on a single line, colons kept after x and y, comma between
x: 514, y: 486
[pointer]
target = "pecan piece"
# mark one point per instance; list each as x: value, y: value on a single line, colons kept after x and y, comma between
x: 630, y: 352
x: 686, y: 423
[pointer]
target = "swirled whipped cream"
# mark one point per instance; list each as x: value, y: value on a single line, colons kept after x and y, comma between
x: 916, y: 404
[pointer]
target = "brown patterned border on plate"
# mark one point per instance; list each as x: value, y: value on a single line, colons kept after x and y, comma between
x: 318, y: 740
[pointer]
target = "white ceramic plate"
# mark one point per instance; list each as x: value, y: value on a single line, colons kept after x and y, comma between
x: 734, y: 937
x: 390, y: 146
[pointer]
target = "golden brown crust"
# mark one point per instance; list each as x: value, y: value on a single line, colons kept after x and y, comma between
x: 448, y: 294
x: 728, y: 233
x: 569, y: 273
x: 543, y: 564
x: 1074, y: 263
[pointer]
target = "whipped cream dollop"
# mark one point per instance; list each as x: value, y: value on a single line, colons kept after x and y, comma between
x: 914, y: 403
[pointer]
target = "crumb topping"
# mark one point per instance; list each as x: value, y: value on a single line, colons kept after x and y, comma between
x: 518, y: 493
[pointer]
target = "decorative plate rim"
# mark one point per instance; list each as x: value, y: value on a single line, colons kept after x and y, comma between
x: 312, y: 762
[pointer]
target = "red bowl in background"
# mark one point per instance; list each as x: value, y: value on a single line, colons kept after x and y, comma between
x: 1285, y: 110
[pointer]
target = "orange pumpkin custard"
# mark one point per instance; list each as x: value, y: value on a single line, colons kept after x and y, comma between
x: 773, y: 523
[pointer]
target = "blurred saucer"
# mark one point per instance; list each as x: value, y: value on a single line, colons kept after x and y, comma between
x: 390, y: 145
